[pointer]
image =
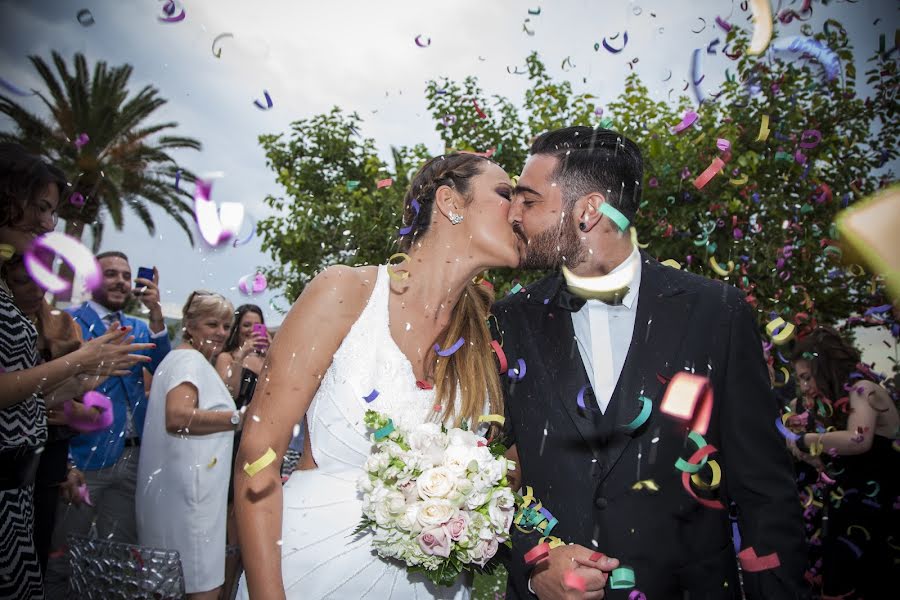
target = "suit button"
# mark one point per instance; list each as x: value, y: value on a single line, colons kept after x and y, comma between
x: 600, y: 502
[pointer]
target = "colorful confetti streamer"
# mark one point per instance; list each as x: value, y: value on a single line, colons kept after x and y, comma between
x: 260, y: 463
x: 269, y: 103
x: 612, y: 50
x: 72, y: 252
x: 452, y: 349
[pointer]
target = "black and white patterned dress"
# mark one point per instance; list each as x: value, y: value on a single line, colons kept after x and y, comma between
x: 23, y: 425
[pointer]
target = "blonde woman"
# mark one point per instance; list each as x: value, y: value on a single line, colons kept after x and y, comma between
x: 352, y: 331
x: 186, y: 450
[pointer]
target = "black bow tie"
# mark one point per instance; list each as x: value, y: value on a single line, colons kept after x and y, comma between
x: 570, y: 301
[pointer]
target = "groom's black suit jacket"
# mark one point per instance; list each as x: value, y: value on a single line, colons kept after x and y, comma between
x: 582, y: 467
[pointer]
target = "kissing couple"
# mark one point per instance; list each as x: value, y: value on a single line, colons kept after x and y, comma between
x: 595, y: 343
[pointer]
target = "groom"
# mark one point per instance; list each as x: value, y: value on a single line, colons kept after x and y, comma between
x: 609, y: 326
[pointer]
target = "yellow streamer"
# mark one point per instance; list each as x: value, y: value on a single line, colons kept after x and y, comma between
x: 718, y: 268
x: 552, y: 540
x: 648, y: 484
x: 634, y: 239
x: 671, y: 262
x: 739, y: 180
x: 393, y: 274
x: 786, y: 333
x: 498, y: 419
x: 861, y: 528
x: 716, y: 477
x: 260, y: 463
x: 763, y: 129
x: 212, y: 463
x: 761, y: 10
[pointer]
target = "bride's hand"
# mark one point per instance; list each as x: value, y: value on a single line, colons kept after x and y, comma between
x: 548, y: 578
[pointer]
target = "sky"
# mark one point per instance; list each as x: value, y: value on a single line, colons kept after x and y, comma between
x: 361, y: 56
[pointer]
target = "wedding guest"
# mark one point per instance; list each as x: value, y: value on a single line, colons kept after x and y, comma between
x: 109, y: 458
x: 239, y: 365
x: 30, y: 190
x: 859, y: 542
x: 241, y: 358
x: 58, y: 335
x: 185, y: 459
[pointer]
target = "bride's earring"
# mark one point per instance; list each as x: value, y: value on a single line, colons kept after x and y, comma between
x: 455, y: 219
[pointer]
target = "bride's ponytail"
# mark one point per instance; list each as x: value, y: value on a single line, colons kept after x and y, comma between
x: 469, y: 372
x: 471, y: 369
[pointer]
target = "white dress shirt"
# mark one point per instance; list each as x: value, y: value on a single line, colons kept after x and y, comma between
x: 604, y: 333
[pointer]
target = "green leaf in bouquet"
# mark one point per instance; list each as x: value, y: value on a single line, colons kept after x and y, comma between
x: 364, y: 524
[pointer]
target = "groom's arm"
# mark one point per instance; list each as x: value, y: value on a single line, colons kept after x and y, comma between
x: 759, y: 476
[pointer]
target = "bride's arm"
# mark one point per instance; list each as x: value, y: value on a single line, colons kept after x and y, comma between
x: 300, y: 355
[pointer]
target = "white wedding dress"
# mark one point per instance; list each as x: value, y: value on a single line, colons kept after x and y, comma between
x: 320, y: 556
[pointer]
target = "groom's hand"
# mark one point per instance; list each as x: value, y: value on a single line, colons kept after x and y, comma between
x: 548, y: 577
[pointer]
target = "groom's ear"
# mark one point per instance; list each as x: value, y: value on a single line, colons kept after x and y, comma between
x: 447, y: 201
x: 587, y: 210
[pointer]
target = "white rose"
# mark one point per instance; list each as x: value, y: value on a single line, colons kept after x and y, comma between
x: 395, y: 503
x: 435, y: 512
x: 476, y: 499
x: 382, y: 516
x: 458, y: 437
x: 501, y: 518
x: 457, y: 458
x: 493, y: 470
x: 503, y: 498
x: 407, y: 521
x: 426, y: 435
x: 438, y: 482
x: 364, y: 484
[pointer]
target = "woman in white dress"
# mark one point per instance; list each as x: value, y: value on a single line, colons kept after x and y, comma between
x: 352, y: 331
x: 182, y: 484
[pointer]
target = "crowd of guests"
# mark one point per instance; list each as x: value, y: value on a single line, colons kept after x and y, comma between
x: 153, y: 466
x: 158, y: 471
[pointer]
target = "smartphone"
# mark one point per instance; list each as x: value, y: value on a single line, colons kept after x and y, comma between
x: 260, y: 329
x: 145, y: 273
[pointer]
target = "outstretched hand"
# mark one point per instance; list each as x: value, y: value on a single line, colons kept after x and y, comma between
x: 549, y: 577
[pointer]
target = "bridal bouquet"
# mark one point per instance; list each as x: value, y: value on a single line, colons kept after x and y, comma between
x: 434, y: 498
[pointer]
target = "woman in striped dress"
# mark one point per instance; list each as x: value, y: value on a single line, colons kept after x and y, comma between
x: 29, y: 194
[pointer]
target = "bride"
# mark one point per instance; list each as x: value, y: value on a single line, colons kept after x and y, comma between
x: 354, y: 332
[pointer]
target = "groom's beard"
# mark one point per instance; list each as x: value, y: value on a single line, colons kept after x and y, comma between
x: 552, y: 248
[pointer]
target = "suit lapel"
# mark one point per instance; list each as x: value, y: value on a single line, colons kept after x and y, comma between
x: 94, y: 325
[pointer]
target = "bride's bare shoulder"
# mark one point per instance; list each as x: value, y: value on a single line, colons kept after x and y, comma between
x: 339, y: 290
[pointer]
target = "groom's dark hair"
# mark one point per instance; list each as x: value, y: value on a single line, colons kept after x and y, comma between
x: 595, y: 160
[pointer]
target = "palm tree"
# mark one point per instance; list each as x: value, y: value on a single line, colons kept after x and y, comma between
x: 125, y: 162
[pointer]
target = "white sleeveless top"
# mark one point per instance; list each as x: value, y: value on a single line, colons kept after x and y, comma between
x: 320, y: 557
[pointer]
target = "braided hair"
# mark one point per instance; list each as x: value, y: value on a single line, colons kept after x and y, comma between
x: 469, y: 372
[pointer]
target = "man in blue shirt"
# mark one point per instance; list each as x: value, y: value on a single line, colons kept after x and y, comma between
x: 109, y: 458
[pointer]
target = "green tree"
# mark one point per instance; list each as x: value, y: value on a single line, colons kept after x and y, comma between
x: 332, y: 211
x: 775, y: 227
x: 770, y: 210
x: 125, y: 163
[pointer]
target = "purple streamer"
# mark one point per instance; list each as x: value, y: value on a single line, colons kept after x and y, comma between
x: 407, y: 229
x: 372, y: 395
x: 452, y: 349
x: 615, y: 50
x: 12, y: 89
x: 269, y: 102
x: 519, y: 373
x: 784, y: 431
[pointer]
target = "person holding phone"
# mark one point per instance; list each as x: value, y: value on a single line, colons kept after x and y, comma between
x: 109, y: 458
x: 241, y: 359
x: 239, y: 365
